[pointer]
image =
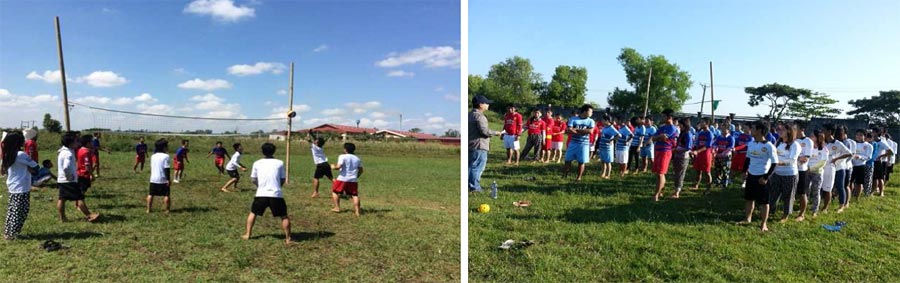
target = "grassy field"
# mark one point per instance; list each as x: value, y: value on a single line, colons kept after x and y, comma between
x: 611, y: 230
x: 409, y: 230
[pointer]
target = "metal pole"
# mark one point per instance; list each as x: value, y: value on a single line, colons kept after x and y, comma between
x: 287, y: 158
x: 62, y: 72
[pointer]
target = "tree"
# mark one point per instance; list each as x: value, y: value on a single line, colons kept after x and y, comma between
x: 881, y: 109
x: 476, y: 86
x: 567, y: 88
x: 51, y: 125
x: 512, y: 81
x: 776, y: 96
x: 812, y: 104
x: 668, y: 86
x: 452, y: 133
x: 415, y: 130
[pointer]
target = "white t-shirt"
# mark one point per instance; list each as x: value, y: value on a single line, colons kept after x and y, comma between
x: 817, y: 156
x: 318, y: 154
x: 350, y: 165
x: 837, y: 149
x: 761, y: 155
x: 894, y: 148
x: 65, y: 166
x: 159, y: 162
x: 851, y: 146
x: 882, y: 149
x: 806, y: 145
x: 233, y: 163
x: 268, y: 173
x: 862, y: 153
x: 789, y: 157
x: 19, y: 179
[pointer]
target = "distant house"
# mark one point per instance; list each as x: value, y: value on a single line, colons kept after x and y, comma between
x: 278, y: 136
x: 344, y: 131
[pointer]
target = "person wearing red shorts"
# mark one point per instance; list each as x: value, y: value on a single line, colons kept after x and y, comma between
x: 548, y: 139
x: 221, y: 153
x: 347, y: 181
x: 181, y: 157
x: 140, y: 157
x: 665, y: 139
x: 702, y: 153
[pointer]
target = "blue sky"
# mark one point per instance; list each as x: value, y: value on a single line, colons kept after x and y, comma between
x: 366, y: 60
x: 848, y: 49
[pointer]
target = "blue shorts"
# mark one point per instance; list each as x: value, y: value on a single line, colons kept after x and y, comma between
x: 647, y: 151
x: 606, y: 155
x: 578, y: 152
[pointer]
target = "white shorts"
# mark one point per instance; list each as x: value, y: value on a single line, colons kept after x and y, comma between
x: 556, y: 145
x: 621, y: 157
x: 828, y: 178
x: 510, y: 142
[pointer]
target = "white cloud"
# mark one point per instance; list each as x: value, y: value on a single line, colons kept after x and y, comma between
x: 365, y: 105
x: 377, y: 115
x: 281, y: 92
x: 160, y: 109
x: 321, y: 48
x: 442, y: 56
x: 333, y: 112
x: 145, y: 97
x: 439, y: 89
x: 15, y: 101
x: 207, y: 85
x: 256, y: 69
x: 48, y: 76
x: 181, y: 71
x: 102, y: 79
x: 214, y: 106
x: 400, y: 73
x: 436, y: 120
x: 281, y: 111
x: 102, y: 100
x: 452, y: 97
x: 221, y: 10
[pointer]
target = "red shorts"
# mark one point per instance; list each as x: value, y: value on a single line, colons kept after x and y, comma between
x: 703, y: 161
x: 737, y: 161
x: 661, y: 161
x: 547, y: 143
x: 220, y: 161
x: 140, y: 158
x: 350, y: 188
x: 177, y: 165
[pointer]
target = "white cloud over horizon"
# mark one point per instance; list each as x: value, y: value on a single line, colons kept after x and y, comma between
x: 321, y: 48
x: 256, y: 69
x: 432, y: 57
x: 207, y: 85
x: 400, y: 73
x: 102, y: 79
x: 220, y: 10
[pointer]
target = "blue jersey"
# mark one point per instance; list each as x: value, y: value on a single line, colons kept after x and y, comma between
x: 685, y: 141
x: 180, y: 153
x: 219, y: 151
x: 578, y: 123
x: 140, y: 149
x: 638, y: 133
x: 671, y: 134
x: 607, y: 135
x: 624, y: 135
x: 724, y: 143
x: 704, y: 139
x: 649, y: 132
x: 771, y: 137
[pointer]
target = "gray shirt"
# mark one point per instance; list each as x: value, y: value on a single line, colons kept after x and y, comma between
x: 479, y: 133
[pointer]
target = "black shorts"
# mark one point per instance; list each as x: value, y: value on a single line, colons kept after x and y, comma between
x: 802, y: 182
x: 233, y: 174
x: 858, y: 175
x: 277, y: 205
x: 70, y: 191
x: 159, y: 190
x: 755, y: 191
x: 880, y: 170
x: 84, y: 184
x: 323, y: 169
x: 887, y: 173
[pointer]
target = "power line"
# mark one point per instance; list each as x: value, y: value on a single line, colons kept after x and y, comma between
x: 175, y: 116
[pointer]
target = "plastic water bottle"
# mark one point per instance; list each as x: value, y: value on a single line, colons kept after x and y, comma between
x: 494, y: 190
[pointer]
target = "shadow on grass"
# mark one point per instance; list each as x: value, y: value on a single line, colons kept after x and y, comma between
x: 110, y: 218
x: 304, y: 236
x: 62, y: 236
x: 97, y: 195
x: 714, y: 207
x: 115, y: 206
x: 194, y: 209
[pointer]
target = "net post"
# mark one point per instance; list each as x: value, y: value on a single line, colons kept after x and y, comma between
x: 287, y: 158
x: 62, y: 72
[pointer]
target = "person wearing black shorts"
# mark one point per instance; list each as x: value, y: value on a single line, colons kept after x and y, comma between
x: 323, y: 169
x: 268, y: 175
x: 68, y: 181
x: 160, y: 175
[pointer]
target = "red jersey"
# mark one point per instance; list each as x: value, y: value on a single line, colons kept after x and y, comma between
x: 594, y: 133
x: 31, y: 150
x: 535, y: 127
x: 559, y: 128
x: 84, y: 162
x: 549, y: 122
x: 512, y: 123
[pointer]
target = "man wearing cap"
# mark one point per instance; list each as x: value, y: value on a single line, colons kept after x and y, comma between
x: 512, y: 127
x: 479, y: 141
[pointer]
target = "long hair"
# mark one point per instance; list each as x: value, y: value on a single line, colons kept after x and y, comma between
x: 820, y: 139
x: 11, y: 146
x: 790, y: 134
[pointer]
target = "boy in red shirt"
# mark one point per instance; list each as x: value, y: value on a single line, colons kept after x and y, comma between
x: 512, y: 126
x: 536, y: 130
x: 557, y: 146
x: 31, y: 147
x: 84, y: 161
x: 548, y: 138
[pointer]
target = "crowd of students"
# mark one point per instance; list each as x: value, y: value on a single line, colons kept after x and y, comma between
x: 78, y: 166
x: 777, y: 163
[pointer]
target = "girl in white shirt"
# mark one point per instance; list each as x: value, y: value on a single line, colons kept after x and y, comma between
x: 833, y: 177
x: 818, y: 157
x: 19, y: 167
x: 783, y: 184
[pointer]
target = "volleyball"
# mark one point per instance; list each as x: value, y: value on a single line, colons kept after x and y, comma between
x: 484, y: 208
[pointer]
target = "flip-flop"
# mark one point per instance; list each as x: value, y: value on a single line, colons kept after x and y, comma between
x: 507, y: 244
x: 522, y: 203
x: 831, y: 228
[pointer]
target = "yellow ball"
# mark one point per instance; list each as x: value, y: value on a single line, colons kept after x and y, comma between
x: 484, y: 208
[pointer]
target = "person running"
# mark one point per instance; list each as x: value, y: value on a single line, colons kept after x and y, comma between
x: 763, y: 156
x: 681, y: 155
x: 160, y: 175
x: 323, y: 169
x: 536, y: 131
x: 605, y: 146
x: 580, y: 128
x: 221, y: 153
x: 621, y: 157
x: 512, y: 127
x: 648, y: 148
x: 18, y: 167
x: 739, y: 161
x: 803, y: 182
x: 702, y: 153
x: 67, y: 179
x: 664, y: 140
x: 782, y: 184
x: 885, y: 151
x: 818, y: 158
x: 557, y: 146
x: 232, y: 168
x: 723, y: 148
x: 861, y: 154
x: 140, y: 157
x: 181, y: 158
x: 835, y: 168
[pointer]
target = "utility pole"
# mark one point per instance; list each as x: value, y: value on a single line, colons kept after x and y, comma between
x: 62, y: 73
x: 703, y: 100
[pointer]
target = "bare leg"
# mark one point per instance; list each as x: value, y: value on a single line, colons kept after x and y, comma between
x: 84, y: 209
x: 826, y: 197
x: 356, y: 205
x: 517, y: 153
x: 580, y: 171
x: 803, y: 203
x: 315, y: 184
x: 748, y: 212
x: 508, y: 156
x: 336, y: 200
x: 660, y: 184
x: 167, y: 202
x: 765, y: 217
x: 225, y: 188
x: 250, y: 219
x: 61, y: 210
x: 149, y: 203
x: 286, y: 226
x: 565, y: 170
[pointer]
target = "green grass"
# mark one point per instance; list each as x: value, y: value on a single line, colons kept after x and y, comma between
x: 409, y: 230
x: 611, y: 230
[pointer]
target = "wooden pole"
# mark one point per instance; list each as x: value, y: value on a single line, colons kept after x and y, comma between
x: 62, y: 73
x: 287, y: 158
x: 712, y: 94
x: 647, y: 103
x: 703, y: 100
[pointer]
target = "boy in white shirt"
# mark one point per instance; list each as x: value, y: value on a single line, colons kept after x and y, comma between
x: 160, y: 174
x: 348, y: 180
x: 321, y: 161
x: 232, y: 167
x: 67, y: 179
x: 268, y: 176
